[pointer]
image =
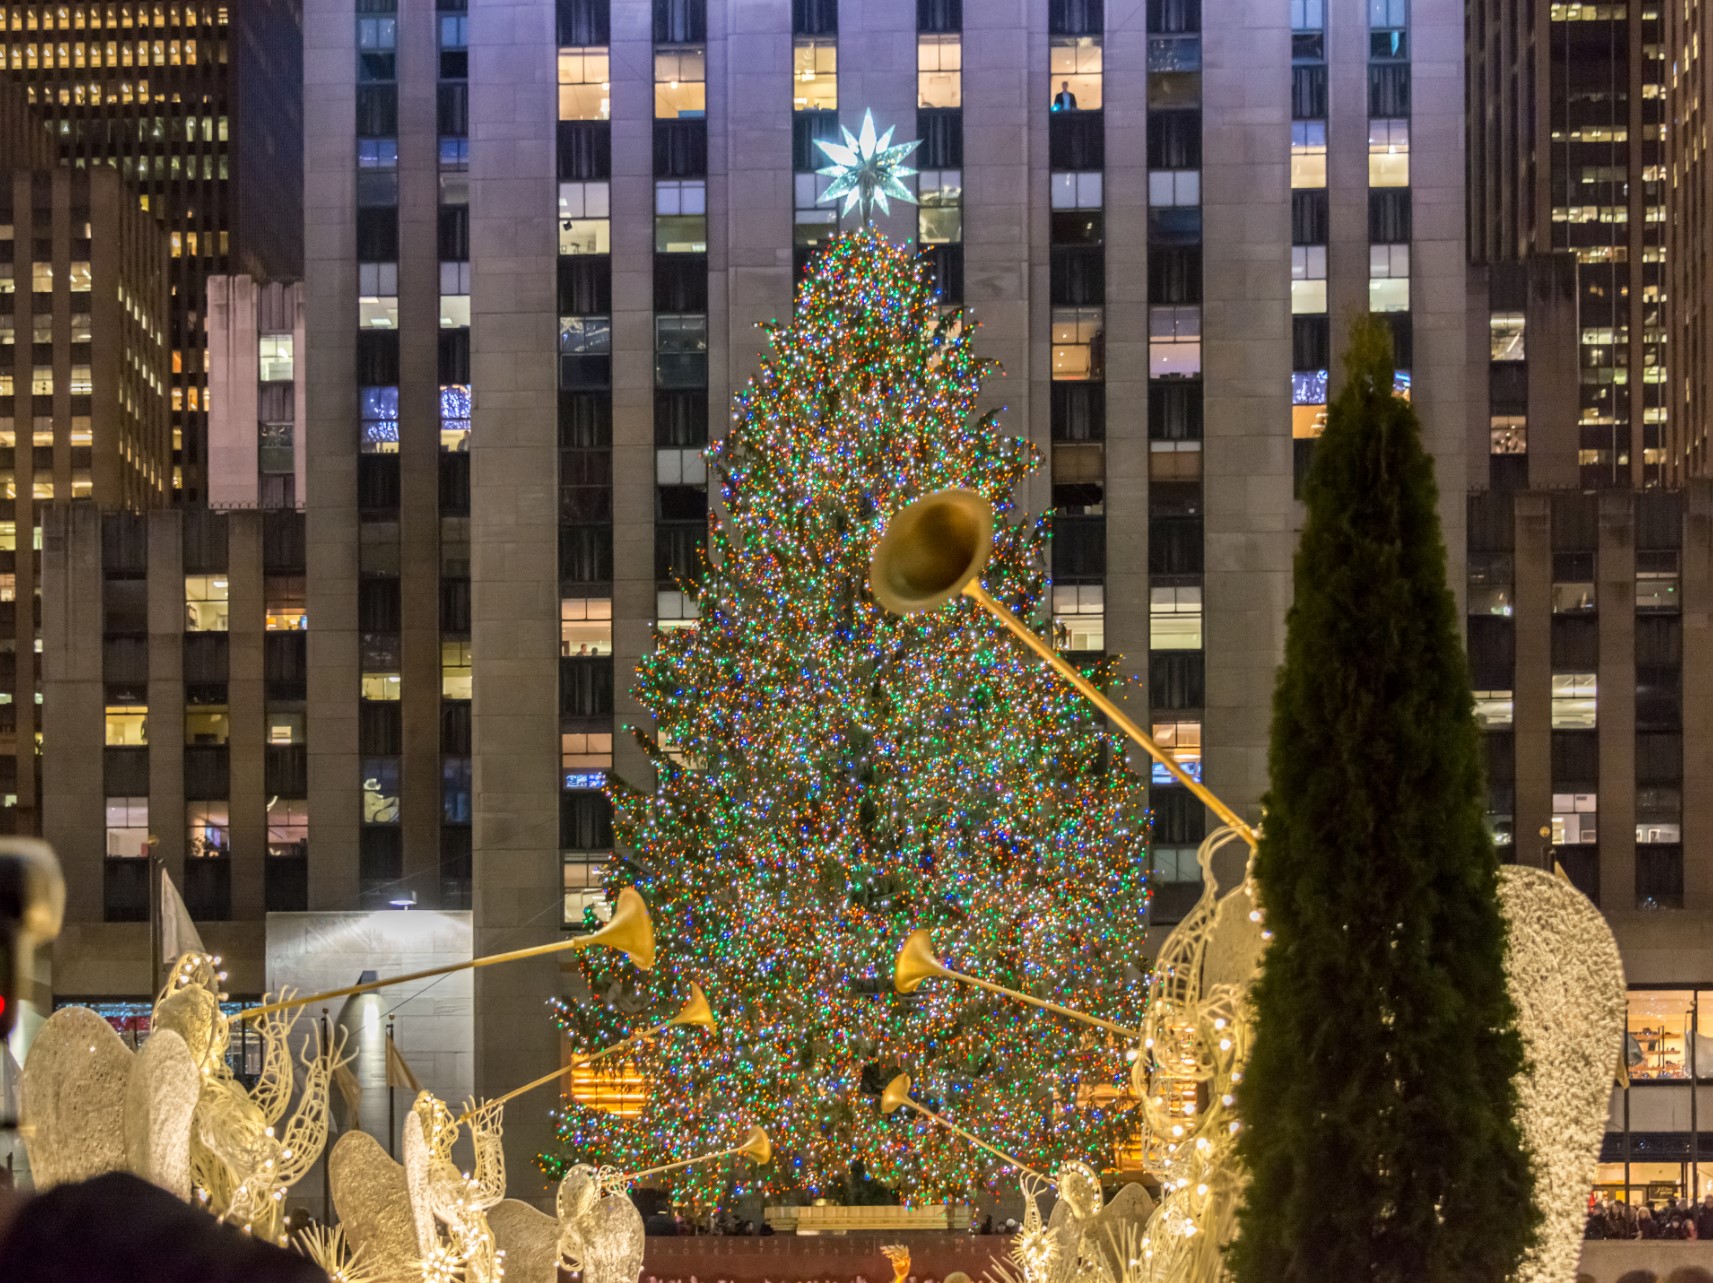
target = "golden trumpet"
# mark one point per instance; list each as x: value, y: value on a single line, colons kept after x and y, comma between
x: 756, y: 1146
x: 916, y: 963
x: 897, y: 1095
x: 629, y: 931
x: 935, y: 549
x: 695, y: 1011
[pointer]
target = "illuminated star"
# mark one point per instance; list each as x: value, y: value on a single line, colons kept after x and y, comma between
x: 866, y: 169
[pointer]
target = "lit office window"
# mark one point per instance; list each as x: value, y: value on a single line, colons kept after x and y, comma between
x: 584, y: 89
x: 1174, y: 342
x: 1494, y: 710
x: 1575, y: 819
x: 205, y: 604
x: 680, y: 216
x: 1078, y: 344
x: 379, y: 426
x: 1079, y: 617
x: 1388, y: 278
x: 127, y: 725
x: 1174, y: 618
x: 208, y: 830
x: 585, y: 626
x: 288, y: 827
x: 815, y: 75
x: 585, y: 218
x: 1170, y: 188
x: 380, y: 790
x: 1388, y: 153
x: 455, y: 670
x: 378, y: 296
x: 1308, y: 279
x: 1507, y: 434
x: 1183, y: 741
x: 1308, y: 153
x: 585, y: 750
x: 1074, y: 64
x: 127, y: 827
x: 939, y: 71
x: 1573, y: 703
x: 276, y: 357
x: 680, y: 82
x: 940, y: 219
x: 1506, y: 336
x: 207, y: 724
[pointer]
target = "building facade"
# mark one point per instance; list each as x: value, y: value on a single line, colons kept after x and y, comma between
x: 198, y: 106
x: 255, y: 399
x: 83, y: 378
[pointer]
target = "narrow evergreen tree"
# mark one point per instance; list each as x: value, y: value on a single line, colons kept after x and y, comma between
x: 1379, y: 1105
x: 832, y: 777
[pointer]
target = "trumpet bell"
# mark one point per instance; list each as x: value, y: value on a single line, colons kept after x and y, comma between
x: 695, y: 1010
x: 896, y: 1095
x: 916, y: 963
x: 628, y: 930
x: 931, y: 550
x: 757, y: 1147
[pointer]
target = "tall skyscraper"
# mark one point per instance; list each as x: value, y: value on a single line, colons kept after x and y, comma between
x: 198, y: 105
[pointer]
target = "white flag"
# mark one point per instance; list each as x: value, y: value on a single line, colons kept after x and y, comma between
x: 178, y: 932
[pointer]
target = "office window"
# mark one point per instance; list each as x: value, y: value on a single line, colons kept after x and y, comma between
x: 275, y: 352
x: 813, y: 220
x: 1074, y: 64
x: 1308, y: 15
x: 815, y: 75
x: 1174, y: 342
x: 1657, y: 579
x: 207, y: 724
x: 1388, y: 278
x: 584, y: 89
x: 1389, y: 153
x: 1079, y: 617
x: 455, y: 679
x: 681, y: 216
x: 1308, y: 153
x: 288, y: 827
x: 42, y: 278
x: 205, y: 609
x: 585, y: 218
x: 674, y: 608
x: 381, y: 686
x: 680, y: 82
x: 585, y: 335
x: 1573, y: 584
x: 208, y: 829
x: 1170, y: 188
x: 1078, y: 344
x: 939, y: 71
x: 127, y: 827
x: 380, y: 790
x: 81, y: 277
x: 1575, y: 819
x: 1174, y: 618
x: 1076, y: 189
x: 1494, y: 710
x: 1183, y: 741
x: 1507, y: 434
x: 283, y: 728
x: 1308, y: 279
x: 379, y: 408
x: 378, y: 296
x: 127, y: 725
x: 283, y: 604
x: 585, y: 750
x: 584, y: 896
x: 940, y: 218
x: 1573, y: 702
x: 42, y: 380
x: 585, y: 626
x: 1506, y: 336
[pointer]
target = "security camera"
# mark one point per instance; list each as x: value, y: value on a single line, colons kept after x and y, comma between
x: 32, y: 907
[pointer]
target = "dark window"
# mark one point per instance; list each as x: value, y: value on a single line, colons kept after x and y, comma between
x: 285, y: 667
x: 680, y: 283
x: 939, y: 15
x: 378, y: 482
x: 1176, y: 679
x: 680, y: 148
x: 124, y: 543
x: 585, y: 555
x: 1077, y: 139
x: 282, y: 543
x: 1389, y: 221
x: 585, y: 420
x: 1174, y: 139
x: 1659, y: 698
x: 285, y: 770
x: 1311, y: 342
x: 1659, y: 876
x: 1388, y: 90
x: 1079, y: 548
x: 452, y: 110
x: 208, y: 888
x: 456, y: 865
x: 1174, y: 411
x: 941, y: 130
x: 1077, y: 227
x: 678, y: 551
x: 285, y: 887
x: 1174, y: 274
x: 585, y: 822
x: 378, y: 358
x: 206, y: 773
x: 454, y: 233
x: 584, y: 22
x: 377, y: 111
x: 455, y: 726
x: 203, y: 541
x: 586, y: 686
x: 454, y: 484
x: 380, y: 863
x: 1575, y: 642
x: 585, y: 285
x: 1078, y: 276
x: 125, y: 607
x: 378, y: 235
x: 1173, y: 17
x: 454, y: 348
x: 125, y: 772
x: 1178, y: 816
x: 378, y: 604
x: 1575, y: 522
x: 1659, y: 641
x: 1308, y: 92
x: 1576, y: 760
x: 1076, y: 17
x: 1492, y: 652
x: 1581, y: 864
x: 678, y: 22
x: 204, y: 658
x: 815, y: 17
x: 807, y: 126
x: 1310, y: 221
x: 680, y: 418
x: 125, y: 890
x: 946, y: 270
x: 455, y: 606
x: 380, y: 728
x: 585, y: 151
x: 1175, y: 544
x: 1659, y: 758
x: 1078, y: 411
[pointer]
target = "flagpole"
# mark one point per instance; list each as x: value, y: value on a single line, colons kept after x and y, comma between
x: 326, y: 1175
x: 157, y: 871
x: 392, y: 1112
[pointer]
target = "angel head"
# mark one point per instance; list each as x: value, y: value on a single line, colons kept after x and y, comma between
x: 190, y: 1007
x: 439, y: 1128
x: 1079, y: 1187
x: 577, y: 1193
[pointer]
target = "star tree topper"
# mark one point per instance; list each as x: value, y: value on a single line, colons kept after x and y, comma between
x: 866, y: 169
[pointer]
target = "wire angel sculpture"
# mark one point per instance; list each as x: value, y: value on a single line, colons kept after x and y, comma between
x: 174, y: 1113
x: 1085, y: 1239
x: 449, y: 1207
x: 600, y: 1230
x: 248, y: 1146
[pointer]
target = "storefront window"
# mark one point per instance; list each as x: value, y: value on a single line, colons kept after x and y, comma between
x: 1657, y: 1042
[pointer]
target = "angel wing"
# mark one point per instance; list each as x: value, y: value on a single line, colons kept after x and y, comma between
x: 373, y: 1201
x: 419, y: 1180
x: 72, y: 1098
x: 616, y: 1241
x: 160, y: 1105
x: 530, y: 1239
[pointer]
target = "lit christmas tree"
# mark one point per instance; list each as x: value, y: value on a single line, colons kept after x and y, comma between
x: 832, y: 777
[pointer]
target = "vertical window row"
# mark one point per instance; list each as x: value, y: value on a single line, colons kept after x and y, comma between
x: 452, y: 128
x: 586, y: 415
x: 1659, y: 701
x: 1389, y: 171
x: 1176, y: 658
x: 815, y: 115
x: 1575, y: 656
x: 940, y: 126
x: 1491, y: 606
x: 1311, y: 327
x: 1077, y: 286
x: 1651, y: 50
x: 125, y: 683
x: 380, y: 733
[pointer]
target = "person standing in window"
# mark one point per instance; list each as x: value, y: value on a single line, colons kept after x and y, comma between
x: 1064, y: 100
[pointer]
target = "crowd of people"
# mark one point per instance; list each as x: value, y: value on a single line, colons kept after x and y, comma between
x: 1609, y: 1218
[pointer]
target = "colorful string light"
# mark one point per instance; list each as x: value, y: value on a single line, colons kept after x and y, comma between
x: 831, y: 777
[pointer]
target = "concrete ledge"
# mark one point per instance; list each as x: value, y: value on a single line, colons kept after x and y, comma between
x: 1646, y: 1262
